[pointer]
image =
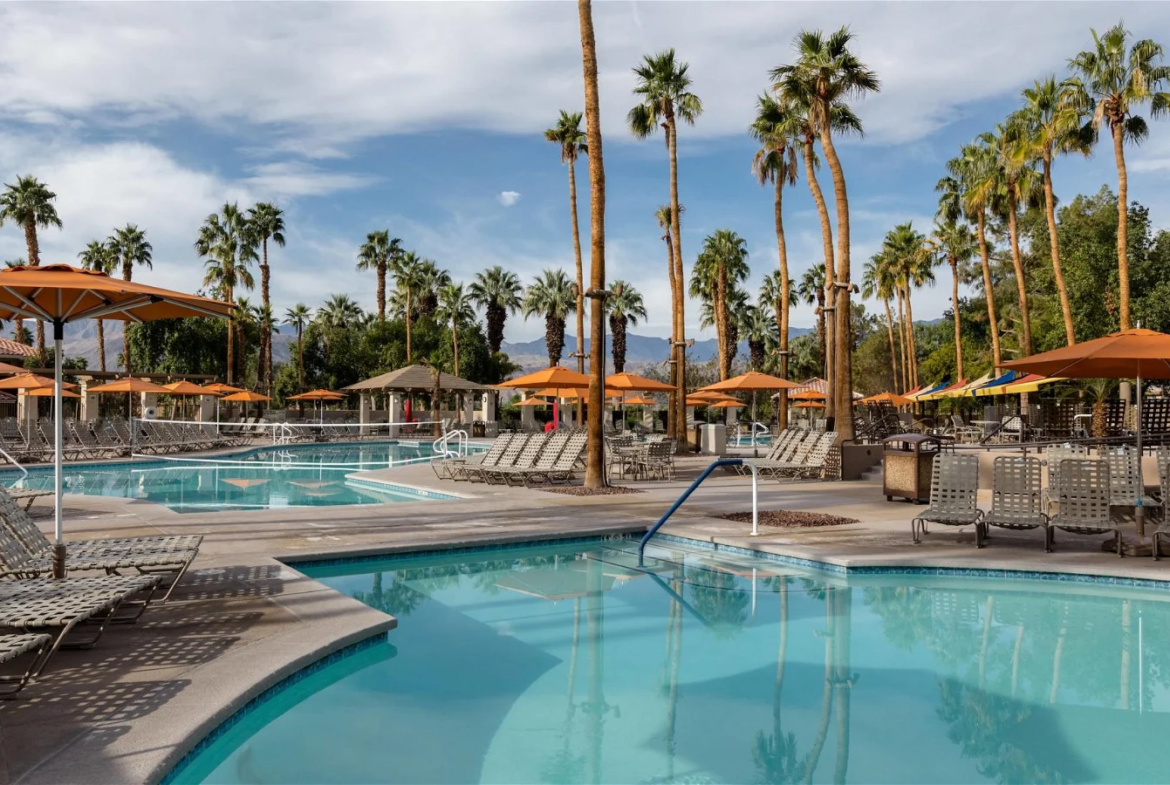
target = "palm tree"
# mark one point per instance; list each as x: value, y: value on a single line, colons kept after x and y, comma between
x: 965, y: 193
x: 824, y: 77
x: 663, y: 88
x: 298, y: 316
x: 229, y: 247
x: 497, y: 291
x: 1051, y: 125
x: 100, y: 257
x: 662, y: 215
x: 377, y: 253
x: 456, y: 310
x: 625, y: 308
x: 429, y: 279
x: 340, y: 312
x: 775, y: 162
x: 246, y: 318
x: 878, y: 281
x: 130, y: 248
x: 721, y: 265
x: 955, y: 245
x: 267, y: 223
x: 405, y: 269
x: 812, y: 290
x: 568, y: 134
x: 1111, y: 83
x: 551, y: 296
x: 29, y: 203
x: 907, y: 254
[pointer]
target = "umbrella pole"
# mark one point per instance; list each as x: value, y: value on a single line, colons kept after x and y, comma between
x: 1139, y: 513
x: 58, y: 422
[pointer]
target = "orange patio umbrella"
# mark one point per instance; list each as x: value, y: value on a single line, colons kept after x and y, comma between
x: 708, y: 395
x: 30, y: 381
x: 533, y: 402
x: 319, y: 395
x: 6, y: 368
x: 632, y: 382
x: 246, y: 397
x: 809, y: 405
x: 58, y: 294
x: 129, y: 385
x: 888, y: 397
x: 749, y: 382
x: 220, y: 388
x: 807, y: 395
x: 573, y: 394
x: 640, y: 400
x: 47, y: 392
x: 727, y: 405
x: 186, y: 388
x: 556, y: 376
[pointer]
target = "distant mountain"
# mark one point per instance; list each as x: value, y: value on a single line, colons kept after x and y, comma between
x: 81, y: 341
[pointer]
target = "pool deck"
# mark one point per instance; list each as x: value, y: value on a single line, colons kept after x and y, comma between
x: 243, y: 619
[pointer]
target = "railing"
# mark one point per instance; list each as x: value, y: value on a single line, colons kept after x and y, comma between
x: 13, y: 461
x: 698, y: 481
x: 756, y: 430
x: 442, y: 445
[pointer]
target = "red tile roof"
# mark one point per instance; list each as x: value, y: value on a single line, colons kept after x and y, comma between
x: 10, y: 348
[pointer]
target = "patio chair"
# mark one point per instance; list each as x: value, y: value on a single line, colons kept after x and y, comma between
x: 13, y: 647
x: 953, y: 490
x: 1053, y: 457
x: 512, y: 447
x: 85, y: 437
x: 658, y: 460
x: 962, y: 432
x: 107, y: 436
x: 1016, y: 496
x: 1125, y: 483
x: 527, y: 459
x: 1083, y: 501
x: 442, y: 467
x: 27, y: 495
x: 1163, y: 529
x: 556, y: 443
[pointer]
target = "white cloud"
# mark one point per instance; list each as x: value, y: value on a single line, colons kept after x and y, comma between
x: 508, y: 198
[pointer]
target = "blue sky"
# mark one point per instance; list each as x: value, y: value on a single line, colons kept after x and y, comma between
x: 420, y: 117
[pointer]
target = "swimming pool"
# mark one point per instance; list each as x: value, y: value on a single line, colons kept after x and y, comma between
x: 303, y: 475
x: 567, y: 664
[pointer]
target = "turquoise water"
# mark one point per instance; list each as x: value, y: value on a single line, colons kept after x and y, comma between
x: 565, y: 665
x: 303, y: 475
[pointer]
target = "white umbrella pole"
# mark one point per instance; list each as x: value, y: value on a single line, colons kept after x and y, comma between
x: 58, y: 431
x: 1139, y: 513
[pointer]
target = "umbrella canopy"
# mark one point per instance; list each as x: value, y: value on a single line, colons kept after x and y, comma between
x: 30, y: 381
x: 888, y: 397
x: 130, y: 385
x: 727, y: 405
x: 752, y: 380
x: 574, y: 393
x: 1031, y: 383
x: 186, y: 388
x: 247, y: 396
x: 709, y: 395
x: 47, y: 392
x: 1123, y: 355
x: 640, y: 400
x: 221, y: 389
x: 6, y: 368
x: 945, y: 392
x: 970, y: 387
x: 533, y: 402
x: 996, y: 386
x: 809, y: 405
x: 632, y: 382
x: 807, y: 395
x: 709, y: 400
x: 317, y: 395
x: 927, y: 390
x: 557, y: 376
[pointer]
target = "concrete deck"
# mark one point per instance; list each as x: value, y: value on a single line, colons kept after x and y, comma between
x: 129, y: 709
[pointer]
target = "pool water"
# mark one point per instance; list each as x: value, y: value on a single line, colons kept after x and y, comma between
x: 305, y: 475
x: 567, y: 664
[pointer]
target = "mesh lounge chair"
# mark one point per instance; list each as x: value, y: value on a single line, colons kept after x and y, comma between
x: 544, y: 464
x: 1016, y: 497
x: 953, y: 490
x: 1125, y: 484
x: 1083, y: 498
x: 527, y: 459
x: 27, y: 495
x: 13, y: 647
x: 470, y: 471
x: 1163, y: 529
x: 443, y: 467
x: 809, y: 458
x: 1053, y: 457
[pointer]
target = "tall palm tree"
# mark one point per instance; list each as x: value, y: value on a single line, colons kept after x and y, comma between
x: 429, y: 280
x: 246, y: 318
x: 226, y: 242
x: 299, y: 316
x: 29, y: 203
x: 1051, y: 123
x: 405, y: 269
x: 775, y: 162
x: 340, y: 312
x: 551, y: 296
x: 1111, y: 82
x: 907, y: 251
x: 497, y: 291
x: 568, y: 134
x: 663, y: 87
x: 720, y: 266
x: 131, y: 248
x: 825, y: 75
x: 964, y: 193
x: 267, y: 223
x: 100, y: 257
x: 625, y: 308
x: 377, y: 253
x: 662, y: 215
x: 878, y: 282
x: 954, y: 245
x: 455, y: 309
x: 812, y: 290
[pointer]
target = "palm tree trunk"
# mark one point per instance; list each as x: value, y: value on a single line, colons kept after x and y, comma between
x: 958, y: 324
x: 814, y: 187
x: 594, y: 465
x: 680, y: 301
x: 893, y: 347
x: 843, y: 354
x: 1122, y: 224
x: 301, y: 357
x: 34, y: 260
x: 721, y: 316
x: 902, y: 337
x: 408, y: 357
x: 672, y: 410
x: 1054, y: 244
x: 381, y: 291
x: 265, y: 336
x: 580, y: 282
x: 821, y: 333
x: 455, y: 344
x: 101, y: 345
x: 231, y: 349
x: 911, y: 340
x: 782, y: 306
x: 1021, y: 284
x: 988, y: 292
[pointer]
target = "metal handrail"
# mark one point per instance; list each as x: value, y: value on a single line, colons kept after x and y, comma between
x: 13, y: 461
x: 698, y: 481
x: 443, y: 444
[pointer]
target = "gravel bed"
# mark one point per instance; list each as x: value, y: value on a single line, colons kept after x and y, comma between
x: 791, y: 518
x: 578, y: 490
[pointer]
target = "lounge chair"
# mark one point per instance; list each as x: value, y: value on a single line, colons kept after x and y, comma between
x: 809, y: 460
x: 1083, y: 501
x: 474, y: 473
x: 1053, y: 457
x: 442, y: 467
x: 28, y: 495
x: 527, y: 459
x: 1163, y: 529
x: 953, y: 491
x: 13, y: 647
x: 544, y: 463
x: 1016, y: 498
x: 1125, y: 485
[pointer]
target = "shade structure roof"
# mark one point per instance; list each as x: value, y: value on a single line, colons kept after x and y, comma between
x: 944, y: 392
x: 47, y: 392
x: 62, y: 293
x: 130, y: 385
x: 187, y: 388
x: 752, y: 380
x: 996, y: 386
x: 556, y: 376
x: 247, y: 396
x: 1122, y: 355
x: 888, y: 397
x: 317, y: 395
x: 219, y: 388
x: 635, y: 383
x: 416, y: 377
x: 927, y: 390
x: 970, y: 387
x: 29, y: 381
x: 1031, y: 383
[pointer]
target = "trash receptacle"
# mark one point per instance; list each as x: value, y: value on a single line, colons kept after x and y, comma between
x: 908, y: 466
